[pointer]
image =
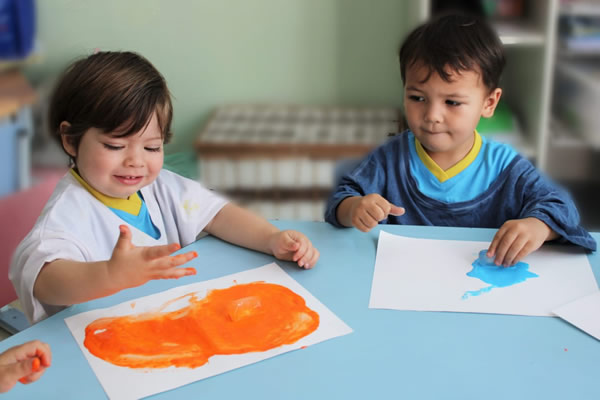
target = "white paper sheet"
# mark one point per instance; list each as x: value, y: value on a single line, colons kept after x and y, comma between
x: 128, y: 383
x: 431, y: 275
x: 584, y: 313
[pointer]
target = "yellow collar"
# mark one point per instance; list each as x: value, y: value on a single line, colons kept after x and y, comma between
x: 131, y: 205
x: 454, y: 170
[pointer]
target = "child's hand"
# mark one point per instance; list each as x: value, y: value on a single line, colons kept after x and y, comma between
x: 131, y: 266
x: 517, y: 238
x: 367, y: 211
x: 24, y: 363
x: 293, y: 246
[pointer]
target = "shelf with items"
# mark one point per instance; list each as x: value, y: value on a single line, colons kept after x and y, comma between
x: 576, y: 96
x: 578, y: 8
x: 519, y: 33
x: 573, y: 160
x: 579, y: 30
x: 282, y: 160
x: 577, y: 99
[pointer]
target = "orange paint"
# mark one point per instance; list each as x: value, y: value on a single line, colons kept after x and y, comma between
x: 243, y: 318
x: 35, y: 366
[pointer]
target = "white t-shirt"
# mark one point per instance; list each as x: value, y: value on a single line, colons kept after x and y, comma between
x: 74, y: 225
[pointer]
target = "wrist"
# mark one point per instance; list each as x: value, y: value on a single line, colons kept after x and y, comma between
x: 345, y: 210
x: 113, y: 279
x: 272, y: 238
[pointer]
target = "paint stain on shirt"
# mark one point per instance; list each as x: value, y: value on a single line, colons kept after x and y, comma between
x: 244, y: 318
x: 497, y: 276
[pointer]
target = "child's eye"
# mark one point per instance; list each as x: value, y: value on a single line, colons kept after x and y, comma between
x: 153, y: 149
x: 453, y: 103
x: 111, y: 147
x: 416, y: 98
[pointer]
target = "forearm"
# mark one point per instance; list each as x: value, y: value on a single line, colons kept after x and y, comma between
x: 344, y: 210
x: 66, y: 282
x: 243, y: 228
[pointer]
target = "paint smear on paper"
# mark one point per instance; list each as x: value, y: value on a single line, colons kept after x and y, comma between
x: 245, y: 318
x: 497, y: 276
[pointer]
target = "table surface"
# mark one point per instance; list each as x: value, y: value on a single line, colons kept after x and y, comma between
x: 399, y: 354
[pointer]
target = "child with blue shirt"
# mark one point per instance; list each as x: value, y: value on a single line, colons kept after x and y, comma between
x: 115, y: 218
x: 441, y: 171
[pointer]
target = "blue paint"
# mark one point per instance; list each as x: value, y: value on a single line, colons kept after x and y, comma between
x: 485, y: 260
x: 497, y: 276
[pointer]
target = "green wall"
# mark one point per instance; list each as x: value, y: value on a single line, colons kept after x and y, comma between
x: 215, y: 52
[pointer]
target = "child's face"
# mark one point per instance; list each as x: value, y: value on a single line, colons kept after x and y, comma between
x: 443, y: 115
x: 119, y: 167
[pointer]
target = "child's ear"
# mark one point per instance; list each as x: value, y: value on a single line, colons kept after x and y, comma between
x: 67, y: 145
x: 490, y: 103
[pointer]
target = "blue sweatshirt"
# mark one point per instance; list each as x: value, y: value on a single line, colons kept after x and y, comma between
x: 518, y: 191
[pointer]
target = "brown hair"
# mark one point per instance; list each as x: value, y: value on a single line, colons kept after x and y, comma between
x: 116, y: 92
x: 460, y: 42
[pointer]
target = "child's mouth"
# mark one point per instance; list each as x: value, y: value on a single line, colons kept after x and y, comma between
x: 128, y: 180
x: 432, y: 133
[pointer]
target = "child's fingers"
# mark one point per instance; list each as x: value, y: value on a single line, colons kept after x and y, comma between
x: 310, y: 258
x: 314, y: 259
x: 514, y: 250
x: 180, y: 259
x: 154, y: 252
x: 174, y: 247
x: 166, y: 267
x: 378, y: 211
x: 396, y: 211
x: 299, y: 254
x: 300, y: 249
x: 495, y: 241
x: 124, y: 240
x: 505, y: 244
x: 290, y: 243
x: 19, y: 370
x: 175, y: 273
x: 365, y: 223
x: 528, y: 248
x: 44, y: 354
x: 37, y: 370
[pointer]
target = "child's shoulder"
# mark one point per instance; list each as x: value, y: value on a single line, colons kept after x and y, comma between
x: 498, y: 153
x: 397, y: 141
x: 67, y: 201
x: 169, y: 180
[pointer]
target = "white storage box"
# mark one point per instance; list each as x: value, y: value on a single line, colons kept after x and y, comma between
x: 280, y: 160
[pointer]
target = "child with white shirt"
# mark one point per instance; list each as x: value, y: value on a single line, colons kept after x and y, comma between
x: 115, y: 218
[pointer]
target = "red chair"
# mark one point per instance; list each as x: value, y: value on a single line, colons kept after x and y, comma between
x: 18, y: 213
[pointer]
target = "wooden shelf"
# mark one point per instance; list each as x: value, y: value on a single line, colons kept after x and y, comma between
x: 518, y: 33
x: 580, y: 8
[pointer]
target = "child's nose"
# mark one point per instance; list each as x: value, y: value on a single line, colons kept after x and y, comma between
x: 433, y: 114
x: 134, y: 159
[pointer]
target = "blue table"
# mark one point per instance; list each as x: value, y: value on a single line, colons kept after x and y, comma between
x: 390, y: 354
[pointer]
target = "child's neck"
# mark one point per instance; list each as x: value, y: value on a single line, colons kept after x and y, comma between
x: 447, y: 159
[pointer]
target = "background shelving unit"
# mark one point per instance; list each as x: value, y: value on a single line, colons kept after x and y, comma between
x: 574, y: 155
